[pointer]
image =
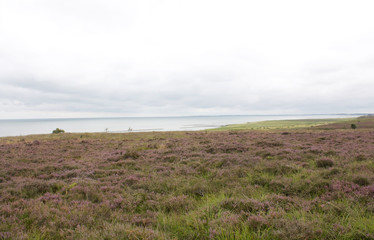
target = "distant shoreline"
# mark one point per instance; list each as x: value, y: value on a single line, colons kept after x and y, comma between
x: 149, y: 124
x: 187, y: 116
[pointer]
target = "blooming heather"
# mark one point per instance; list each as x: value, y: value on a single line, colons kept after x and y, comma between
x: 299, y: 184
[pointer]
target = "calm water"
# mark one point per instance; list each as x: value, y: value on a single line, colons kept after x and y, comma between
x: 136, y: 124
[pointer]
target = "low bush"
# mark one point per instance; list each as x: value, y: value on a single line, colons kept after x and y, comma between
x: 362, y: 181
x: 57, y: 130
x: 324, y: 163
x: 38, y: 188
x: 177, y: 204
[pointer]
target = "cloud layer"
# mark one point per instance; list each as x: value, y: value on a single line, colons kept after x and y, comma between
x: 160, y: 58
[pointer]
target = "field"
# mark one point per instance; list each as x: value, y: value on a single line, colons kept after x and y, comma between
x: 287, y: 124
x: 282, y: 183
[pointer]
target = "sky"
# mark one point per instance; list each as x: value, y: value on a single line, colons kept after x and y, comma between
x: 111, y: 58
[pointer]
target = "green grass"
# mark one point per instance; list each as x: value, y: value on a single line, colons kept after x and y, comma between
x: 283, y: 124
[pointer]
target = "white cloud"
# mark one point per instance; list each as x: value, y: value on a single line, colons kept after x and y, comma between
x: 145, y: 58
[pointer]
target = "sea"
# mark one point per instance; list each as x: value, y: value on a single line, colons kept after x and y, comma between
x: 21, y: 127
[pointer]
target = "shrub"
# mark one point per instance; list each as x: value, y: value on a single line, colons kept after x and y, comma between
x: 296, y: 229
x: 280, y: 169
x: 362, y: 181
x: 197, y: 190
x: 37, y: 188
x: 57, y: 130
x: 324, y: 163
x: 353, y: 126
x: 360, y: 158
x: 330, y: 173
x: 131, y: 154
x: 176, y: 204
x: 81, y: 193
x: 257, y: 222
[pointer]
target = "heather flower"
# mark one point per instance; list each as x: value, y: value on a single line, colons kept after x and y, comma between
x: 132, y: 179
x: 344, y: 187
x: 230, y: 219
x: 257, y: 222
x: 177, y: 204
x: 367, y: 191
x: 5, y: 235
x: 213, y: 233
x: 49, y: 197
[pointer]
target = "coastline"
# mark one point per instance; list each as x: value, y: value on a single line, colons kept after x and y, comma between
x: 22, y: 127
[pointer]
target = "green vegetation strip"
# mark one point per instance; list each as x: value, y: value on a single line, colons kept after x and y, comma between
x: 282, y: 124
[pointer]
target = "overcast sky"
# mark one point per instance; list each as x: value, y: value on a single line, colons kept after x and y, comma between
x: 82, y: 58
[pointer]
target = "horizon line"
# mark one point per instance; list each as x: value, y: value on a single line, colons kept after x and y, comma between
x: 183, y: 116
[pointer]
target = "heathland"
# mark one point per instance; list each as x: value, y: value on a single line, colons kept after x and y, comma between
x: 269, y: 180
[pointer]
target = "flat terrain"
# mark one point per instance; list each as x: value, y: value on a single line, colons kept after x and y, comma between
x: 283, y: 183
x: 337, y: 123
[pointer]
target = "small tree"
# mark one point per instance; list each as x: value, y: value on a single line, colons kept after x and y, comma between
x: 57, y: 130
x: 353, y: 126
